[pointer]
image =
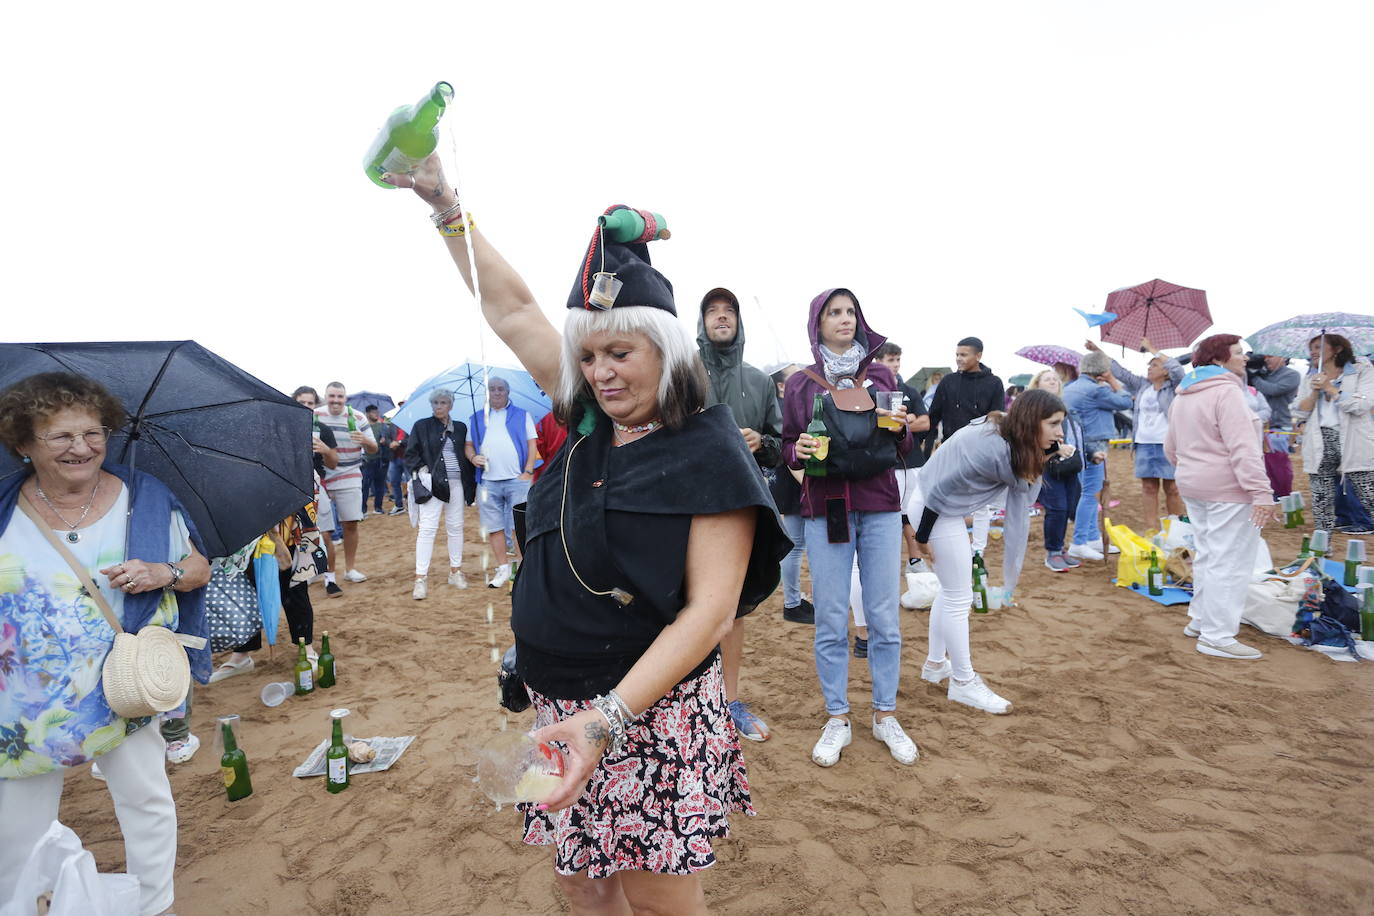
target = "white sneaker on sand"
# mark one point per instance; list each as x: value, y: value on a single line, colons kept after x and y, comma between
x: 834, y: 739
x: 938, y: 673
x: 502, y: 576
x: 1233, y: 649
x: 1084, y: 552
x: 889, y: 732
x: 458, y: 579
x: 182, y: 751
x: 354, y: 576
x: 976, y: 694
x: 1096, y: 544
x: 421, y: 588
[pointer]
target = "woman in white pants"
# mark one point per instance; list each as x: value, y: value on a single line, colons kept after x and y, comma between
x: 434, y: 457
x: 998, y: 457
x: 1214, y: 443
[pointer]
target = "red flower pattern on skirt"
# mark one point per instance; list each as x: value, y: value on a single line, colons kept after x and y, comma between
x: 655, y: 806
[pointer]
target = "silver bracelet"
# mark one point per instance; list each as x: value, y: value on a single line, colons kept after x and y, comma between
x: 611, y: 712
x: 443, y: 216
x: 623, y: 707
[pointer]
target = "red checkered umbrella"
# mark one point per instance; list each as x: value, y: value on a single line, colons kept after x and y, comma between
x: 1169, y: 315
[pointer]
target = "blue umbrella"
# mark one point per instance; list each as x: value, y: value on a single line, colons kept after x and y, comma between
x: 468, y: 382
x: 359, y: 400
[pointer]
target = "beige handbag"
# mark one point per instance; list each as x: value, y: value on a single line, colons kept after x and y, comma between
x: 144, y: 674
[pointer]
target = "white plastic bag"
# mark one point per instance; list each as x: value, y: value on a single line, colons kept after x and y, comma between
x: 58, y: 864
x: 1177, y: 533
x: 921, y: 590
x: 1272, y: 604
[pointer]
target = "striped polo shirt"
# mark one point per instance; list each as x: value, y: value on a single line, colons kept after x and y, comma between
x: 348, y: 475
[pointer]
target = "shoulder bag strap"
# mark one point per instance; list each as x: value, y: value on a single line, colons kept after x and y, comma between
x: 820, y: 380
x: 28, y: 509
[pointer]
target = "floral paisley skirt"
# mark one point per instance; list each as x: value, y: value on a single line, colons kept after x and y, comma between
x: 656, y: 805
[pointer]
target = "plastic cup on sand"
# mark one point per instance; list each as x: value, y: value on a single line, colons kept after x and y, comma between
x: 275, y: 694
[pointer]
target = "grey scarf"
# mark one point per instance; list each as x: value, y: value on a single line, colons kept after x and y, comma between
x: 841, y: 367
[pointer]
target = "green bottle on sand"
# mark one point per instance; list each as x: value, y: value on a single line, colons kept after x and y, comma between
x: 409, y: 135
x: 304, y: 672
x: 336, y: 758
x: 1154, y: 576
x: 325, y: 665
x: 233, y: 765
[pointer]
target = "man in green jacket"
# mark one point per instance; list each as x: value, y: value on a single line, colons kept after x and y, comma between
x: 752, y: 398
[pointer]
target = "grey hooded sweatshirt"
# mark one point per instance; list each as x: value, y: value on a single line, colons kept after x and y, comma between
x: 748, y: 392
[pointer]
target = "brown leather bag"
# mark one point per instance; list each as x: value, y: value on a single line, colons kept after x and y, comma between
x: 851, y: 400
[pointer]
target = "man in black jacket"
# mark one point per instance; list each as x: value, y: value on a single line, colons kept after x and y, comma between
x: 970, y: 392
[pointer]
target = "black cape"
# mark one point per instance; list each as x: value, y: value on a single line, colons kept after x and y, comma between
x: 701, y: 469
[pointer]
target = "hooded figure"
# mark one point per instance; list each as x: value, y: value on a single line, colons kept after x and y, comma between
x: 872, y: 494
x: 748, y: 392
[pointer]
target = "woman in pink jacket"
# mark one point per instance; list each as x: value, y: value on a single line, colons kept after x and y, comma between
x: 1214, y: 442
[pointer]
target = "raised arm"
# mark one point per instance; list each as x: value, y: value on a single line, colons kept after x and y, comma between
x: 507, y: 303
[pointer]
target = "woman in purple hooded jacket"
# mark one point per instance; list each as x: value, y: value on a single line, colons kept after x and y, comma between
x: 854, y: 508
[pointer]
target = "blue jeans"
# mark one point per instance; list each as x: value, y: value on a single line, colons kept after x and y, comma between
x: 877, y: 538
x: 374, y: 482
x: 1085, y: 519
x: 395, y: 473
x: 1058, y: 495
x: 791, y: 564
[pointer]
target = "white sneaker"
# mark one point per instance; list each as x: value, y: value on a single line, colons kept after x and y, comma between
x: 421, y: 588
x: 458, y: 579
x: 834, y: 739
x: 502, y: 576
x: 1233, y: 649
x: 937, y: 674
x: 182, y: 751
x: 976, y: 694
x: 890, y: 733
x: 1084, y: 552
x: 354, y: 576
x: 1097, y: 545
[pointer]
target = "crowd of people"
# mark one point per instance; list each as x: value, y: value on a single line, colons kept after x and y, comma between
x: 629, y: 595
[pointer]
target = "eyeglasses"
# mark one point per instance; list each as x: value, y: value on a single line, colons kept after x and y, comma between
x: 60, y: 442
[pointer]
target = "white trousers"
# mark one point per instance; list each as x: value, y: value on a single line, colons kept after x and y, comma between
x: 428, y: 515
x: 136, y: 774
x: 949, y: 541
x: 1224, y: 561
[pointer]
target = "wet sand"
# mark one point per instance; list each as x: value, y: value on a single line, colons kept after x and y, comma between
x: 1133, y: 776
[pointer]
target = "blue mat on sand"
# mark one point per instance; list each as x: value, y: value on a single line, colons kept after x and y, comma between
x: 1336, y: 570
x: 1170, y: 597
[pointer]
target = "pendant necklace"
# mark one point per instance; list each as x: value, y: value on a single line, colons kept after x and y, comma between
x: 646, y: 428
x: 73, y: 536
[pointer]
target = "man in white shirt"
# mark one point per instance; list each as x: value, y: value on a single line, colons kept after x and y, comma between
x: 344, y: 483
x: 501, y: 445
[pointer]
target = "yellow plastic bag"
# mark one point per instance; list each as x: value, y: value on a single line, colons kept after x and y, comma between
x: 1133, y: 563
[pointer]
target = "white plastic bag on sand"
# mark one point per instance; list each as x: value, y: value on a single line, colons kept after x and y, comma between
x: 59, y: 864
x: 921, y: 590
x: 1176, y: 533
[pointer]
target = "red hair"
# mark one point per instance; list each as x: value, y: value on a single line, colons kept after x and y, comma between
x: 1216, y: 347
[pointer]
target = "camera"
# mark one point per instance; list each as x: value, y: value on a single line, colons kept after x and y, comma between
x: 1254, y: 362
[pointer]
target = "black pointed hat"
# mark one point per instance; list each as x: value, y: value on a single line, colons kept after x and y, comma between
x: 619, y: 247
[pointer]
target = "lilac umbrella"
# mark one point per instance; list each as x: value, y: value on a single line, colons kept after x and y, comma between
x: 1168, y: 314
x: 1049, y: 354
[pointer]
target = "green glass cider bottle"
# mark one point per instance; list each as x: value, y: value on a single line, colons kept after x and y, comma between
x: 304, y: 672
x: 336, y: 758
x: 233, y: 765
x: 980, y: 593
x: 1154, y: 576
x: 815, y: 465
x: 326, y: 663
x: 409, y: 135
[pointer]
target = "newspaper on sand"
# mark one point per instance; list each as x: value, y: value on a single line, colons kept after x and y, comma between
x: 389, y: 750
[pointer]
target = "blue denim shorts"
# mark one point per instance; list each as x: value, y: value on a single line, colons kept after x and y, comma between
x: 1150, y: 461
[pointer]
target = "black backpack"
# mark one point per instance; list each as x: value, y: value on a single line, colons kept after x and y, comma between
x: 858, y: 448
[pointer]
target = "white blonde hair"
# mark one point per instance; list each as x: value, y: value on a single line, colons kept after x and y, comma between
x: 681, y: 385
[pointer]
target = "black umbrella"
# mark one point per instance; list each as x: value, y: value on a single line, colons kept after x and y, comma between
x: 234, y: 450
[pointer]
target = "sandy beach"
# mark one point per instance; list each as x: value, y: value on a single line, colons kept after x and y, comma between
x: 1134, y: 775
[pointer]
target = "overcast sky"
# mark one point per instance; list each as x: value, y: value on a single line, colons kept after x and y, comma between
x: 194, y: 170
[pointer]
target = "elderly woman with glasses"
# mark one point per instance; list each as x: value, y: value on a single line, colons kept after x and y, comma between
x: 136, y: 543
x: 651, y: 529
x: 435, y: 458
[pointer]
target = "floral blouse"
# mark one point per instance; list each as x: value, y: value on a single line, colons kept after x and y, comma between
x: 54, y: 639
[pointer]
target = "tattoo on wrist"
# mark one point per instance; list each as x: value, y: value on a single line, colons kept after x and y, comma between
x: 596, y: 733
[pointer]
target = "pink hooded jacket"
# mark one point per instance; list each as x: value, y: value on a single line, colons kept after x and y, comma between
x: 1214, y: 441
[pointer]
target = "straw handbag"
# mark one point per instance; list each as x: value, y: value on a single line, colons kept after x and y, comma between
x: 144, y: 674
